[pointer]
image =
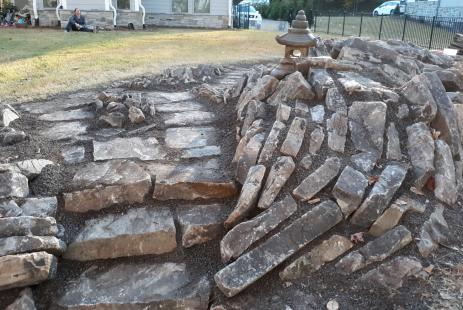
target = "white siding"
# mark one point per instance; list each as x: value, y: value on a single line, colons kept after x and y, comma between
x: 157, y: 6
x: 218, y: 7
x: 86, y: 4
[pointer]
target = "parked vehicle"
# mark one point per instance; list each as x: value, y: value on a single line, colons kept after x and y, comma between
x: 255, y: 19
x: 388, y: 8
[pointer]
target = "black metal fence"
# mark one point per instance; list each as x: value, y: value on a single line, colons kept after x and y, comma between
x: 241, y: 13
x: 428, y: 32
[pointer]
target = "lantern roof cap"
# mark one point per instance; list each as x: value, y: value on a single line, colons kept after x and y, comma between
x: 299, y: 34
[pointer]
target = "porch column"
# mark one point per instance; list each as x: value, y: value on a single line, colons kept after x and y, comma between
x: 106, y: 5
x: 36, y: 14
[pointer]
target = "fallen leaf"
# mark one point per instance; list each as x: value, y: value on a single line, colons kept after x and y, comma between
x: 416, y: 191
x: 332, y: 305
x: 429, y: 269
x: 373, y: 179
x: 431, y: 184
x: 357, y: 238
x: 312, y: 201
x: 435, y: 134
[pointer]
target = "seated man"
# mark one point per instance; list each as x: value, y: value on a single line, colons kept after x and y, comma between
x: 77, y: 23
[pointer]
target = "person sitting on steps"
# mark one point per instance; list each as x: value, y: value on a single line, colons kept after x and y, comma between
x: 77, y: 23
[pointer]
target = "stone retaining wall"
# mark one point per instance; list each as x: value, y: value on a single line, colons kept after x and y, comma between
x: 187, y: 20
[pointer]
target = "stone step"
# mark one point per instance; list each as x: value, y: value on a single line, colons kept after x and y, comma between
x: 189, y: 118
x: 121, y: 148
x: 141, y: 286
x: 138, y: 232
x: 26, y: 244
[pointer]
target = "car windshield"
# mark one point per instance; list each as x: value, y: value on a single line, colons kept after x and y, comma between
x: 244, y: 8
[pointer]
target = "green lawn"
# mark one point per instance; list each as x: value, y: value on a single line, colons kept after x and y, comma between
x: 35, y: 63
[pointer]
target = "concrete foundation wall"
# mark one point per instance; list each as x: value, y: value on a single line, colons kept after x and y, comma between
x: 187, y: 20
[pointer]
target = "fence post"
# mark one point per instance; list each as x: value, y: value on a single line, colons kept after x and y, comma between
x: 315, y: 22
x: 361, y: 22
x: 380, y: 27
x: 343, y: 23
x: 405, y: 27
x: 432, y: 31
x: 328, y: 29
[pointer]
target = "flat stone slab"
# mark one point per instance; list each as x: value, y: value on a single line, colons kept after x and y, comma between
x: 294, y: 138
x: 421, y: 151
x: 40, y: 207
x: 356, y: 84
x: 100, y: 185
x: 315, y: 182
x: 433, y: 232
x: 250, y: 267
x: 26, y: 269
x: 337, y: 131
x: 190, y: 182
x: 376, y: 250
x: 190, y: 137
x: 120, y: 148
x: 9, y: 209
x: 243, y: 235
x: 27, y: 225
x: 335, y: 102
x: 249, y: 156
x: 200, y: 224
x: 380, y: 196
x: 30, y: 167
x: 25, y: 301
x: 72, y: 115
x: 138, y: 232
x: 446, y: 189
x: 200, y: 152
x: 73, y: 154
x: 64, y: 131
x: 25, y: 244
x: 13, y: 184
x: 175, y: 97
x: 349, y: 190
x: 179, y: 107
x: 137, y: 286
x: 189, y: 118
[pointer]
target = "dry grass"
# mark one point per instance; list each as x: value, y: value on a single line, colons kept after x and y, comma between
x: 38, y: 63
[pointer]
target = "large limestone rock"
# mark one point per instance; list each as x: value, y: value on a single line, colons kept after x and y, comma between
x: 276, y: 179
x: 294, y: 138
x: 337, y: 131
x: 138, y: 232
x: 40, y: 207
x: 137, y: 286
x: 64, y: 130
x: 248, y: 196
x: 200, y: 224
x: 249, y: 156
x: 380, y: 196
x: 335, y: 102
x: 393, y: 143
x: 316, y: 181
x: 30, y: 168
x: 321, y: 82
x: 257, y: 127
x: 325, y: 252
x: 445, y: 179
x: 421, y: 151
x: 26, y: 269
x: 255, y: 109
x: 100, y: 185
x: 13, y: 184
x: 189, y: 118
x: 27, y: 225
x: 72, y: 115
x: 272, y: 142
x: 292, y: 87
x: 250, y: 267
x: 367, y: 121
x: 317, y: 136
x: 9, y: 209
x: 190, y: 137
x: 25, y: 244
x: 243, y: 235
x: 433, y: 232
x: 7, y: 115
x: 376, y: 250
x: 264, y: 87
x: 120, y: 148
x: 25, y: 301
x: 349, y: 190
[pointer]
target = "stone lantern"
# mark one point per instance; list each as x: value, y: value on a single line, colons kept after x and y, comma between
x: 299, y: 38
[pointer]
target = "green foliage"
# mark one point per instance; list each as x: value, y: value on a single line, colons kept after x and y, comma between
x: 283, y: 9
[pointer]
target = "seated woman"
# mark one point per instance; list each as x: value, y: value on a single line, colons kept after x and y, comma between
x: 77, y: 23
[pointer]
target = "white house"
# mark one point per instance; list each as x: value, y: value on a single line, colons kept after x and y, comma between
x: 169, y: 13
x: 439, y: 8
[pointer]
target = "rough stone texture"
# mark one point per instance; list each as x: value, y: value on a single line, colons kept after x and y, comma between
x: 27, y: 225
x: 316, y: 181
x: 189, y: 118
x: 255, y: 109
x: 10, y: 136
x: 250, y: 267
x: 248, y: 196
x: 325, y: 252
x: 199, y: 152
x: 7, y: 115
x: 104, y: 184
x: 367, y: 121
x: 26, y: 269
x: 376, y: 250
x: 391, y: 275
x: 433, y: 232
x: 272, y: 142
x: 283, y: 113
x: 13, y: 184
x: 393, y: 151
x: 294, y: 138
x: 73, y: 154
x: 335, y: 102
x: 121, y: 148
x: 301, y: 109
x: 9, y: 209
x: 337, y: 131
x: 137, y: 286
x: 356, y: 84
x: 30, y: 168
x: 403, y: 111
x: 249, y: 156
x: 190, y: 137
x: 459, y: 111
x: 365, y: 161
x: 40, y: 207
x: 138, y: 232
x: 316, y: 140
x: 446, y: 189
x: 72, y: 115
x: 200, y: 224
x: 190, y: 182
x: 292, y: 87
x: 321, y: 82
x: 421, y: 151
x: 63, y: 131
x: 318, y: 114
x: 243, y: 235
x: 279, y: 173
x: 25, y: 301
x: 113, y: 119
x: 25, y: 244
x: 306, y: 162
x: 263, y: 88
x: 380, y: 196
x: 349, y: 190
x: 178, y: 107
x: 451, y: 81
x: 256, y: 128
x: 136, y: 115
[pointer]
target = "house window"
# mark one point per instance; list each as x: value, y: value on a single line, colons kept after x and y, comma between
x: 179, y: 6
x: 202, y: 6
x: 123, y: 4
x: 50, y: 3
